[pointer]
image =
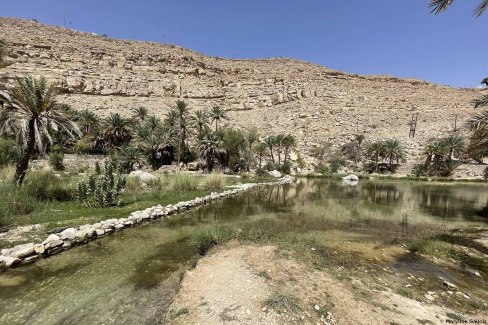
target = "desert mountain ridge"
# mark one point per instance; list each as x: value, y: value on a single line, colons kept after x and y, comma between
x: 315, y: 103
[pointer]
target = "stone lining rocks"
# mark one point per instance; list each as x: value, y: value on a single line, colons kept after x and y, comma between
x: 70, y: 237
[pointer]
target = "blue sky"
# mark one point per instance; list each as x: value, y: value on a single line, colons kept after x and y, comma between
x: 392, y: 37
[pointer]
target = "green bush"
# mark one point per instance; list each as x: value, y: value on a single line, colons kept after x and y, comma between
x: 418, y: 170
x: 285, y: 168
x: 56, y: 158
x: 102, y: 188
x: 336, y: 162
x: 261, y: 172
x: 270, y: 166
x: 8, y: 152
x: 182, y: 183
x: 322, y: 168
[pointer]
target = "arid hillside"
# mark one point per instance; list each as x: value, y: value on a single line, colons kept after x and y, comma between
x: 315, y: 103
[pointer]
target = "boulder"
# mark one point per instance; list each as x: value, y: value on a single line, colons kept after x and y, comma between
x: 351, y: 177
x: 39, y: 249
x: 19, y: 251
x: 144, y: 177
x: 8, y: 261
x: 275, y: 173
x: 68, y: 234
x: 52, y: 241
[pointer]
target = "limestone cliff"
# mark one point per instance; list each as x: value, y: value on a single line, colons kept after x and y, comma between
x: 314, y: 103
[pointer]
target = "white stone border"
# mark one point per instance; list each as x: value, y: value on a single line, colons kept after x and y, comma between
x: 70, y: 237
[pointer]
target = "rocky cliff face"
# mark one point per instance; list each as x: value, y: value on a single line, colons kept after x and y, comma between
x: 314, y: 103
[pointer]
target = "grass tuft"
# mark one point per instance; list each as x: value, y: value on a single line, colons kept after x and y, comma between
x: 181, y: 183
x: 282, y: 302
x: 214, y: 182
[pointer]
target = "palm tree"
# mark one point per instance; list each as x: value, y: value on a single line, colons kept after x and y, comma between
x: 434, y: 152
x: 153, y: 123
x: 377, y: 151
x: 278, y: 139
x: 140, y: 114
x: 270, y: 142
x: 261, y: 150
x: 478, y: 124
x: 217, y: 114
x: 439, y: 6
x: 153, y: 146
x: 358, y: 138
x: 209, y: 148
x: 200, y: 120
x: 129, y: 157
x: 30, y: 109
x: 455, y: 145
x: 394, y: 151
x: 116, y: 130
x: 252, y: 136
x: 87, y: 121
x: 182, y: 111
x: 288, y: 143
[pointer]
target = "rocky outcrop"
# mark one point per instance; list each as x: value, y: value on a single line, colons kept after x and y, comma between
x: 314, y: 103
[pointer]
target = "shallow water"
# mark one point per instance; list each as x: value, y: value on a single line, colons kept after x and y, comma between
x: 131, y: 276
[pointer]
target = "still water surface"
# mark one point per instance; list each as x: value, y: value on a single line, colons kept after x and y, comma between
x: 131, y: 276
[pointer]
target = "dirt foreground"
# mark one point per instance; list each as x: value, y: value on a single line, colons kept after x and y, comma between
x: 264, y: 285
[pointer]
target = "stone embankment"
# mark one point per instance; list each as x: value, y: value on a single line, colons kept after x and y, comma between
x: 70, y: 237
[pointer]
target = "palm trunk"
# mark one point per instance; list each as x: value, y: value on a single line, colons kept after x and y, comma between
x: 260, y: 157
x: 376, y: 162
x: 23, y: 163
x: 272, y: 156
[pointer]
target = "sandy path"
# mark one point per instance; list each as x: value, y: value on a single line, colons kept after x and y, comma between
x: 231, y: 285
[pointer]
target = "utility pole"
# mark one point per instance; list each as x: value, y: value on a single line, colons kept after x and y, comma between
x: 413, y: 125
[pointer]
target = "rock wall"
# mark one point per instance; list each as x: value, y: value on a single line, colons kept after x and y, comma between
x: 314, y: 103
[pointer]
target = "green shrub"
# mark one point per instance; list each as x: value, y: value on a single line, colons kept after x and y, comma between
x: 56, y: 158
x: 270, y: 166
x: 102, y: 188
x: 82, y: 147
x: 214, y: 182
x: 8, y: 152
x: 285, y: 168
x: 261, y: 172
x: 182, y: 183
x: 44, y: 185
x: 418, y: 170
x: 336, y: 162
x: 322, y: 168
